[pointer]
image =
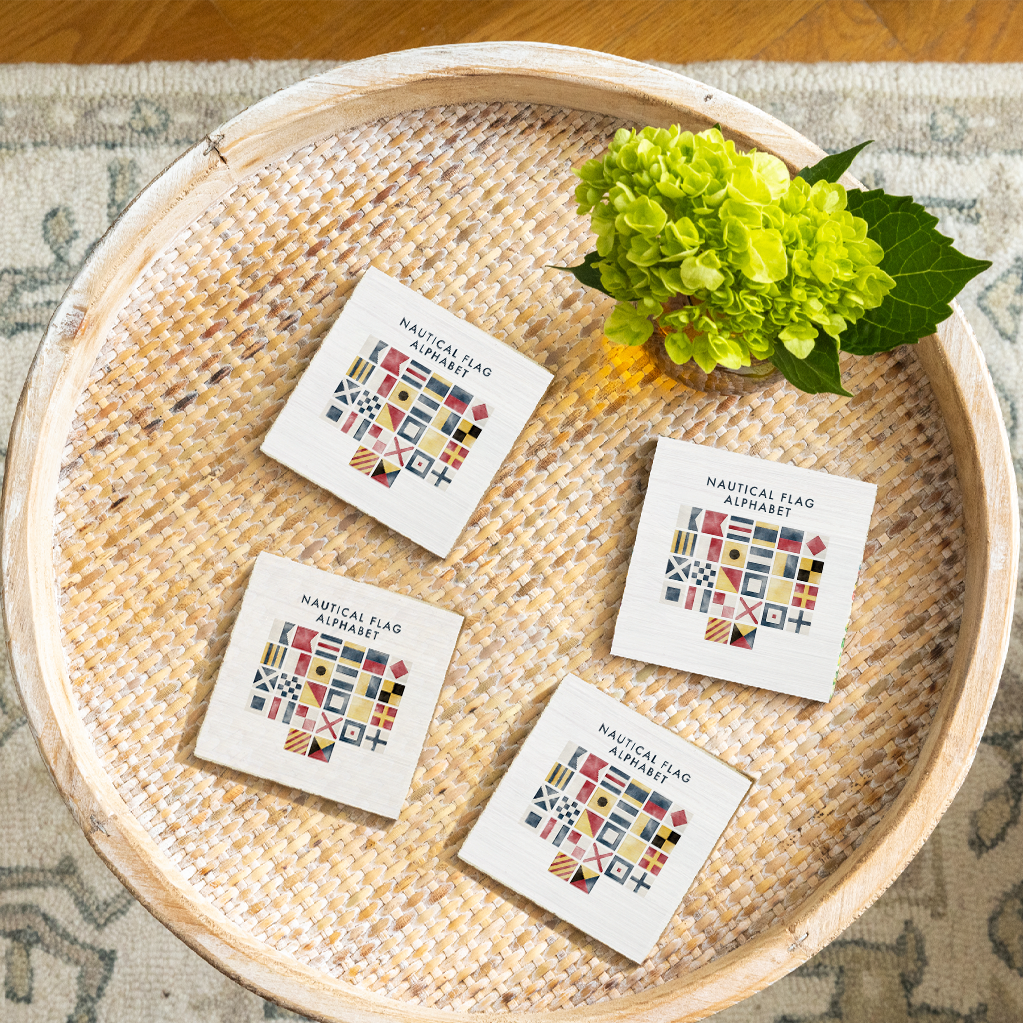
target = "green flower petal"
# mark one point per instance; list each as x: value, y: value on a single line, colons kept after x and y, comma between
x: 736, y: 235
x: 678, y: 347
x: 705, y: 360
x: 800, y: 347
x: 697, y: 272
x: 764, y: 261
x: 644, y: 251
x: 626, y: 326
x: 645, y: 216
x: 773, y: 173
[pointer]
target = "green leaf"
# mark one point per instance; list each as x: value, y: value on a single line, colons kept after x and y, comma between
x: 831, y: 168
x: 818, y: 373
x: 927, y: 270
x: 587, y: 272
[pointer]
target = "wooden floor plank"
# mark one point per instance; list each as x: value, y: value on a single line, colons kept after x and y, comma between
x: 953, y: 30
x: 669, y: 30
x: 119, y: 31
x: 98, y: 32
x: 843, y: 31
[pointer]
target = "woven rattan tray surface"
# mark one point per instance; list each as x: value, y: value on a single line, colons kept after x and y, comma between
x: 137, y: 499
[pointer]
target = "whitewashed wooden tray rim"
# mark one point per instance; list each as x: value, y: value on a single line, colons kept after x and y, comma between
x: 271, y: 130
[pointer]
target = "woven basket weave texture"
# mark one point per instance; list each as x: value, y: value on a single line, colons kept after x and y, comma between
x: 165, y: 500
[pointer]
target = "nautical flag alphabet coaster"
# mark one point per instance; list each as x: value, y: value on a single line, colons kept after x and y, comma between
x: 605, y: 818
x: 407, y: 412
x: 328, y: 685
x: 744, y: 569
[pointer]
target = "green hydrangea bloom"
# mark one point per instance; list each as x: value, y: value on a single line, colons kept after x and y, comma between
x: 761, y: 258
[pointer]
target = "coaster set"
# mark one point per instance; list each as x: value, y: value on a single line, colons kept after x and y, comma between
x: 330, y: 685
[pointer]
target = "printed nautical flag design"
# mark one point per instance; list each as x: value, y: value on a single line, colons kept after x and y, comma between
x: 405, y: 417
x: 603, y: 822
x: 703, y: 574
x: 718, y: 630
x: 740, y: 528
x: 678, y: 568
x: 798, y: 620
x: 325, y: 690
x: 733, y: 554
x: 563, y: 866
x: 743, y: 573
x: 743, y: 636
x: 760, y: 559
x: 723, y: 604
x: 684, y: 543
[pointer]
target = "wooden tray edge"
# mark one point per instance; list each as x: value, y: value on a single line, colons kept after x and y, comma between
x: 378, y: 87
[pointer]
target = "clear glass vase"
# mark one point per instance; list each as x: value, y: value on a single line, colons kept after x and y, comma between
x: 746, y: 380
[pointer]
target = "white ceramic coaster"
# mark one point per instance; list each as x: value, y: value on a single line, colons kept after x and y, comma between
x: 605, y: 818
x: 744, y: 569
x: 328, y: 685
x: 407, y: 412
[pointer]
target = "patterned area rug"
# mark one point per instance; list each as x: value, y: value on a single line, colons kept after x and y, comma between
x: 944, y: 944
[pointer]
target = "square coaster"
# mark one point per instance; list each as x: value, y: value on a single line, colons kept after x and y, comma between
x: 605, y: 818
x: 328, y: 685
x: 744, y: 569
x: 407, y: 412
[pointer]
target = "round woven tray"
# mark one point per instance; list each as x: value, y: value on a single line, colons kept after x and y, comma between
x: 136, y: 500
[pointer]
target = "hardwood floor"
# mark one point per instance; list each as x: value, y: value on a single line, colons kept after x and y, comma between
x: 120, y: 31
